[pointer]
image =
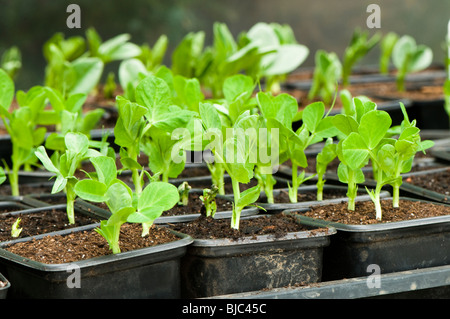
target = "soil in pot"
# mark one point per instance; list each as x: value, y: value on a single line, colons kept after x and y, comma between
x: 41, y: 222
x: 88, y: 244
x: 195, y: 206
x: 364, y: 213
x: 283, y: 195
x: 437, y: 182
x: 204, y: 227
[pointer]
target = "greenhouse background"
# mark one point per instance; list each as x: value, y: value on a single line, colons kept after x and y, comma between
x: 322, y: 24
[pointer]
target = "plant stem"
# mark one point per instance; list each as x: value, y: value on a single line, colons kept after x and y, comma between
x: 236, y: 209
x: 268, y: 188
x: 320, y: 183
x: 293, y: 190
x: 70, y: 195
x: 352, y: 190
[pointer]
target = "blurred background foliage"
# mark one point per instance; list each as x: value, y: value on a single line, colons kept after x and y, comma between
x: 320, y: 24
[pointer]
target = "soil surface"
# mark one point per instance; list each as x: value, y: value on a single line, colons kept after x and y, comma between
x: 195, y: 205
x: 364, y: 213
x: 41, y: 222
x: 283, y: 195
x: 437, y: 182
x: 204, y: 227
x: 88, y: 244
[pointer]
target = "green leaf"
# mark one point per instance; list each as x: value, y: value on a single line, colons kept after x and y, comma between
x: 313, y: 114
x: 249, y: 196
x: 119, y: 196
x: 77, y: 143
x: 91, y: 190
x: 6, y: 90
x: 88, y: 72
x: 355, y: 151
x: 106, y: 169
x: 373, y: 127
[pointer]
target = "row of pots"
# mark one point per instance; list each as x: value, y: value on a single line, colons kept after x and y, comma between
x: 323, y: 258
x: 188, y: 264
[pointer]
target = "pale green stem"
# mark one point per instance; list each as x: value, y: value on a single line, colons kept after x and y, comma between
x: 293, y: 190
x: 268, y: 189
x: 236, y: 209
x: 70, y: 195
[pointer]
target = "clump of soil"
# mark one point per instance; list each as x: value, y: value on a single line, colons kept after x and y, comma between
x: 364, y: 213
x: 88, y: 244
x: 41, y: 222
x: 437, y: 182
x: 204, y: 227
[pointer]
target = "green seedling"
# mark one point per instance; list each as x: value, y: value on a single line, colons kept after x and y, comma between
x: 123, y: 203
x: 323, y: 159
x: 68, y: 69
x: 278, y: 113
x: 69, y: 115
x: 396, y: 155
x: 219, y: 115
x: 66, y: 164
x: 114, y: 49
x: 25, y: 125
x: 235, y: 154
x: 209, y: 200
x: 187, y: 55
x: 409, y: 57
x: 387, y: 44
x: 184, y: 189
x: 359, y: 46
x: 278, y: 53
x: 327, y: 74
x: 15, y: 230
x: 11, y: 61
x: 161, y: 140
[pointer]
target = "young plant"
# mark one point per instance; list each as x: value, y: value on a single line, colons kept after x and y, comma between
x: 323, y: 158
x: 397, y: 155
x: 278, y: 113
x: 209, y: 200
x: 387, y: 44
x: 359, y: 46
x: 187, y: 55
x: 183, y: 190
x: 65, y: 165
x: 219, y: 115
x: 236, y: 154
x: 114, y: 49
x: 160, y: 141
x: 23, y: 125
x: 327, y: 74
x: 123, y: 203
x: 69, y: 115
x: 15, y: 230
x: 68, y: 70
x: 11, y: 61
x: 409, y: 57
x: 278, y: 53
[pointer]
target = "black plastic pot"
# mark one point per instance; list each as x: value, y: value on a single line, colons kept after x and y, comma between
x: 222, y: 266
x: 409, y: 189
x: 393, y: 247
x: 4, y: 286
x: 23, y: 210
x: 427, y: 283
x: 152, y: 272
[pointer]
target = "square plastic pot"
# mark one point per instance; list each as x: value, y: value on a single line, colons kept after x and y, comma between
x: 222, y: 266
x: 393, y: 247
x: 4, y: 287
x: 152, y: 272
